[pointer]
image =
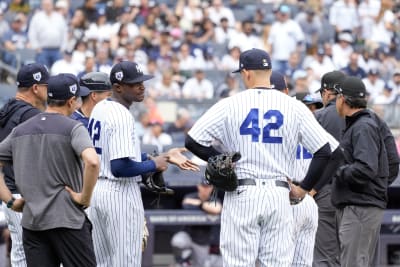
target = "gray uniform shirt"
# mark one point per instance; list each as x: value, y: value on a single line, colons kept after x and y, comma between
x: 45, y: 151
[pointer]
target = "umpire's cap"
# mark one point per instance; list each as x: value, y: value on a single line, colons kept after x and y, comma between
x: 254, y: 59
x: 331, y: 79
x: 128, y: 72
x: 351, y: 86
x: 96, y: 81
x: 31, y: 74
x: 278, y: 81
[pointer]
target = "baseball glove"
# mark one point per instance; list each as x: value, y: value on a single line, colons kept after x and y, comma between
x: 154, y: 181
x: 220, y: 171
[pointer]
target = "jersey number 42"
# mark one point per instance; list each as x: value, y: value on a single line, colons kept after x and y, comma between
x: 94, y: 128
x: 250, y: 126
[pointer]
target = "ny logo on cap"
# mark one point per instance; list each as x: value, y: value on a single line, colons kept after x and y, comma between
x: 73, y: 88
x: 119, y: 75
x: 265, y: 62
x: 139, y: 69
x: 37, y: 76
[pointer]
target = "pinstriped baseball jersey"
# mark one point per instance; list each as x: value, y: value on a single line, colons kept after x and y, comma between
x: 116, y: 209
x: 265, y: 126
x: 305, y: 215
x: 117, y: 138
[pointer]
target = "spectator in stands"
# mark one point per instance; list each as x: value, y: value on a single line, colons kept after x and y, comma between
x: 89, y: 64
x: 367, y: 60
x: 103, y: 61
x: 48, y: 34
x: 166, y: 87
x: 342, y: 50
x: 352, y: 68
x: 142, y: 126
x: 187, y: 62
x: 114, y: 10
x: 127, y: 16
x: 320, y: 63
x: 15, y: 39
x: 343, y: 16
x: 217, y: 11
x: 65, y: 65
x: 386, y: 97
x: 294, y: 64
x: 190, y: 13
x: 247, y: 39
x: 284, y: 38
x: 77, y: 27
x: 101, y: 29
x: 368, y: 11
x: 374, y: 84
x: 19, y: 6
x: 311, y: 25
x: 387, y: 62
x: 229, y: 87
x: 62, y: 7
x: 198, y: 87
x: 178, y: 75
x: 223, y: 33
x: 383, y: 27
x: 394, y: 82
x: 192, y: 245
x: 4, y: 26
x: 300, y: 82
x: 231, y: 59
x: 155, y: 114
x: 90, y: 10
x: 156, y: 136
x: 182, y: 124
x: 204, y: 33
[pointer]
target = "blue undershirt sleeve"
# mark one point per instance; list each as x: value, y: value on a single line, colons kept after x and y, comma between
x: 125, y: 167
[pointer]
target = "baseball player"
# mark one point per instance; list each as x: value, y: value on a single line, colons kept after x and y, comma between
x: 117, y: 210
x: 305, y: 213
x: 265, y: 126
x: 98, y: 87
x: 29, y: 101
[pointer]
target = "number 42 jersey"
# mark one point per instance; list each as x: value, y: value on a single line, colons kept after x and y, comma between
x: 111, y: 127
x: 265, y: 126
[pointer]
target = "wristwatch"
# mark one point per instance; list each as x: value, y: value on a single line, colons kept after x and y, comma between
x: 10, y: 203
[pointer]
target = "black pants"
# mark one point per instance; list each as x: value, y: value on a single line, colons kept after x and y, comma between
x: 60, y: 245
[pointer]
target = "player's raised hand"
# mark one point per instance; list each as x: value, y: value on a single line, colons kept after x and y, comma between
x: 77, y: 198
x: 176, y: 157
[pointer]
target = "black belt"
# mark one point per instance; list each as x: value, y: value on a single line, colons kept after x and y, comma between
x: 253, y: 182
x: 103, y: 177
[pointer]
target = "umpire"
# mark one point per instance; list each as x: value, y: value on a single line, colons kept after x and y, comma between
x: 359, y: 187
x: 326, y: 250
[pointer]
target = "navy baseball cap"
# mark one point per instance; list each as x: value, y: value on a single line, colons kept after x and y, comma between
x: 64, y: 86
x: 31, y: 74
x: 128, y: 72
x: 277, y: 81
x: 254, y: 59
x: 331, y: 79
x: 351, y: 86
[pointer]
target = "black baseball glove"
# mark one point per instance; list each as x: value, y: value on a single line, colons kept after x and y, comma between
x: 220, y: 171
x: 154, y: 181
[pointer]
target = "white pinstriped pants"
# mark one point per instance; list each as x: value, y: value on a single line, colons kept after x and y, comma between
x: 14, y: 226
x: 117, y: 215
x: 305, y: 215
x: 257, y: 223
